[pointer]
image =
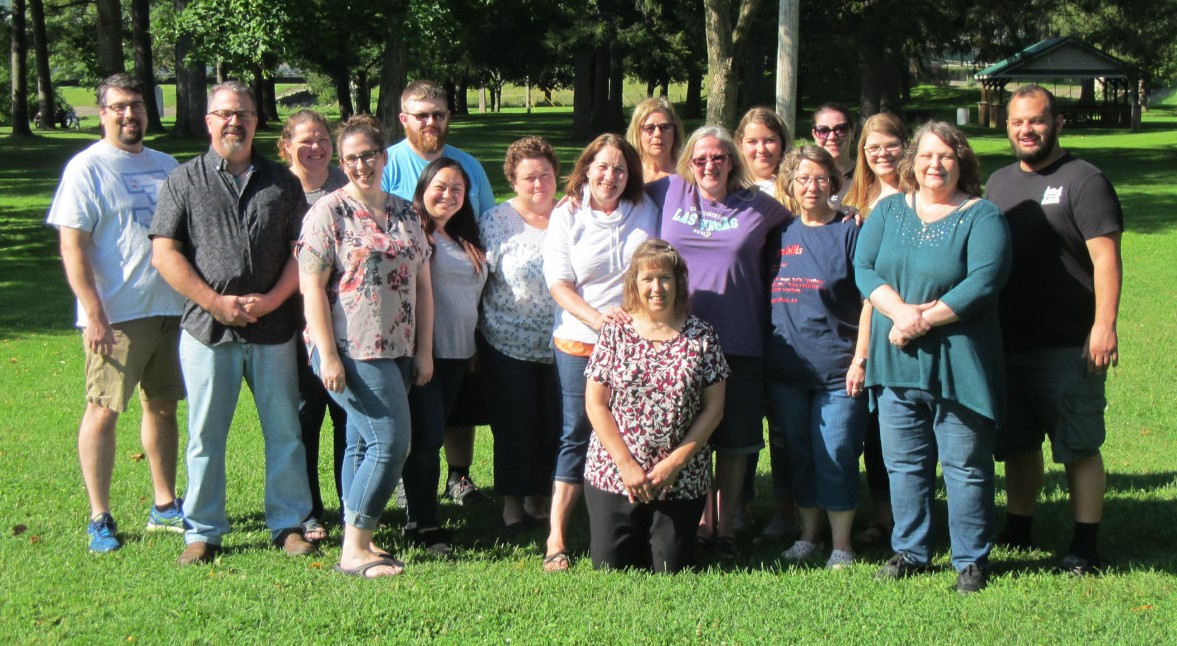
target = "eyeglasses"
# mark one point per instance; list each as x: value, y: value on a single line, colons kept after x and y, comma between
x: 424, y: 117
x: 227, y: 115
x: 119, y: 108
x: 823, y: 181
x: 840, y: 131
x: 875, y: 151
x: 366, y: 158
x: 660, y: 127
x: 701, y: 162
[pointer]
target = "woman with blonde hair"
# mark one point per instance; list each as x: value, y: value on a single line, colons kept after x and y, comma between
x: 656, y: 132
x: 764, y: 141
x: 876, y: 173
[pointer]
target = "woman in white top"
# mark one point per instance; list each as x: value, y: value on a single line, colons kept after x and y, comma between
x: 590, y: 241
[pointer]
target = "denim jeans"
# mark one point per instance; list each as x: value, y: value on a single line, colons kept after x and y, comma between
x: 917, y: 427
x: 313, y: 404
x: 823, y: 430
x: 524, y: 402
x: 429, y: 407
x: 213, y: 375
x: 574, y: 437
x: 375, y: 398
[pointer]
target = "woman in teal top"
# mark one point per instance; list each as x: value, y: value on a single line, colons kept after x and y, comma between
x: 932, y: 259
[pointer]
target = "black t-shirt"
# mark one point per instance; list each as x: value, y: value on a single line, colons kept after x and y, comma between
x: 1049, y: 300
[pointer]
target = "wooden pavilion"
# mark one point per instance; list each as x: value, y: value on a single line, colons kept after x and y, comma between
x: 1063, y: 57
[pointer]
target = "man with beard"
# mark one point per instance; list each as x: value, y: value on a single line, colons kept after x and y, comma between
x: 1058, y: 314
x: 130, y: 318
x: 223, y: 234
x: 426, y: 120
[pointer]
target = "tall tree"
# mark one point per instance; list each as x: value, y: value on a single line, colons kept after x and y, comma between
x: 727, y: 23
x: 109, y: 30
x: 191, y: 85
x: 787, y: 61
x: 393, y: 74
x: 19, y: 72
x: 45, y: 102
x: 144, y: 66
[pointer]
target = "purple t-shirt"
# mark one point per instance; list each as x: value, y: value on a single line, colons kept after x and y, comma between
x: 724, y: 246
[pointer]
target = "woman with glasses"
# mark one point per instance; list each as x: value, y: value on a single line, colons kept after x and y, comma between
x: 816, y: 355
x: 364, y: 276
x: 764, y: 141
x: 833, y: 129
x: 876, y: 176
x: 720, y: 223
x: 932, y: 260
x: 657, y: 134
x: 590, y: 241
x: 306, y: 145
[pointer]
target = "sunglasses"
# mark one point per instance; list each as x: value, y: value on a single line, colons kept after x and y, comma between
x: 839, y: 131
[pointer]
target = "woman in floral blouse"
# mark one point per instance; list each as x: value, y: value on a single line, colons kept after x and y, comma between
x: 655, y: 393
x: 364, y: 274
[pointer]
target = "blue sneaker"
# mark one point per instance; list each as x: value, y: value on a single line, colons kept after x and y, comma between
x: 170, y: 520
x: 102, y: 532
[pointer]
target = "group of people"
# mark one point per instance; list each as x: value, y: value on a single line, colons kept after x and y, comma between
x: 681, y: 290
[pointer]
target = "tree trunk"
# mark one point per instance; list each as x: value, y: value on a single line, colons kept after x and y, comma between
x: 461, y: 102
x: 601, y: 63
x: 1086, y: 90
x: 393, y: 75
x: 191, y: 88
x: 109, y: 32
x: 342, y: 85
x: 725, y: 44
x: 45, y: 100
x: 616, y: 88
x: 269, y: 98
x: 788, y: 45
x: 144, y: 67
x: 870, y: 66
x: 582, y: 95
x: 20, y: 72
x: 694, y: 107
x: 259, y: 96
x: 451, y: 95
x: 363, y: 92
x: 891, y: 82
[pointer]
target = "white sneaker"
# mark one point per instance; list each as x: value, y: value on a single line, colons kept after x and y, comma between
x: 840, y: 560
x: 802, y: 551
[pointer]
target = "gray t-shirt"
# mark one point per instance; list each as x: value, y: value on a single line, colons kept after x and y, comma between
x: 238, y: 240
x: 456, y: 290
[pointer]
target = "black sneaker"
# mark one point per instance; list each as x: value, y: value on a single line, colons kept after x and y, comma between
x: 437, y: 540
x: 463, y: 491
x: 973, y: 578
x: 1078, y: 566
x: 899, y: 567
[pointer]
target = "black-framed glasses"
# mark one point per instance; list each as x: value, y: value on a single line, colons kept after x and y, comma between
x: 424, y: 117
x: 839, y: 130
x: 227, y: 115
x: 135, y: 106
x: 701, y: 162
x: 823, y: 181
x: 366, y: 158
x: 660, y: 127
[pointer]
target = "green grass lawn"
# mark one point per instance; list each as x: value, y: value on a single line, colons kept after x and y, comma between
x: 492, y: 589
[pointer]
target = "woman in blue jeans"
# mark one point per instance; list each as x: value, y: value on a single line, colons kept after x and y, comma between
x: 590, y: 241
x: 816, y: 355
x: 933, y: 259
x: 364, y: 276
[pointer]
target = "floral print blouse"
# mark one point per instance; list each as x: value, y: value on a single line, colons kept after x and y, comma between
x: 373, y: 285
x: 517, y: 308
x: 657, y: 392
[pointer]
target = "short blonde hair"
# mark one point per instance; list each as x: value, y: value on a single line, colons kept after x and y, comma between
x: 737, y: 179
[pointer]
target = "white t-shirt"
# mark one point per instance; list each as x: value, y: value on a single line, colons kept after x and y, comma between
x: 111, y: 194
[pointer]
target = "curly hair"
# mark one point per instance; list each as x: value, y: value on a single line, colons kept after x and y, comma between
x: 953, y: 137
x: 528, y: 148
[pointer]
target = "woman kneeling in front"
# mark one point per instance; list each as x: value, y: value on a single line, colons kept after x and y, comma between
x: 654, y: 395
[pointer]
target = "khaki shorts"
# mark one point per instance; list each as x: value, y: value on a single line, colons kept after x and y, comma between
x: 146, y: 353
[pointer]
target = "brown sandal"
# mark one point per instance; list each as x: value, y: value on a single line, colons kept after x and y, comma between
x: 558, y: 562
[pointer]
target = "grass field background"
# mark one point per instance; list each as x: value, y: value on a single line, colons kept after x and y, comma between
x: 492, y: 589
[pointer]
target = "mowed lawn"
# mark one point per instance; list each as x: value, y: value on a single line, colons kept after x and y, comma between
x: 492, y: 590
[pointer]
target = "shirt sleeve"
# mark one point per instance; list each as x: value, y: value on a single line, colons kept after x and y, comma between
x: 1096, y: 208
x: 866, y: 250
x: 600, y: 365
x: 557, y: 254
x: 171, y: 211
x: 316, y: 244
x: 988, y: 256
x: 486, y: 196
x: 714, y: 364
x: 75, y: 205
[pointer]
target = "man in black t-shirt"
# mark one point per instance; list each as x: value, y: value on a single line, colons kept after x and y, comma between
x: 1058, y: 313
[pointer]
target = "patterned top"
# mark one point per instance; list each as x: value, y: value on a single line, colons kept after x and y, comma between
x: 517, y: 309
x: 373, y: 285
x: 657, y: 392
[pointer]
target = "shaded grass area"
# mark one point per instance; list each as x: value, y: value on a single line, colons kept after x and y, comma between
x: 492, y: 589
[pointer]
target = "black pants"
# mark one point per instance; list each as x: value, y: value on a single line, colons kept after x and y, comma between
x: 658, y: 536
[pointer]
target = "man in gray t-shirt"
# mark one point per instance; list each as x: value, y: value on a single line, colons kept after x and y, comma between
x: 223, y: 234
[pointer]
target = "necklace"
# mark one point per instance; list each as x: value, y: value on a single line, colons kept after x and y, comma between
x: 931, y: 218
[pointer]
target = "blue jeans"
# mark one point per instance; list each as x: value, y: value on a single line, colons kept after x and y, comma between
x: 917, y: 427
x: 213, y: 375
x: 524, y: 402
x: 823, y: 430
x: 574, y: 438
x: 375, y: 398
x: 429, y: 408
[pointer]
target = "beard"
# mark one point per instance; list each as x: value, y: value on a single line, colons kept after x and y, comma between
x: 1045, y: 149
x: 426, y: 142
x: 132, y: 137
x: 232, y: 144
